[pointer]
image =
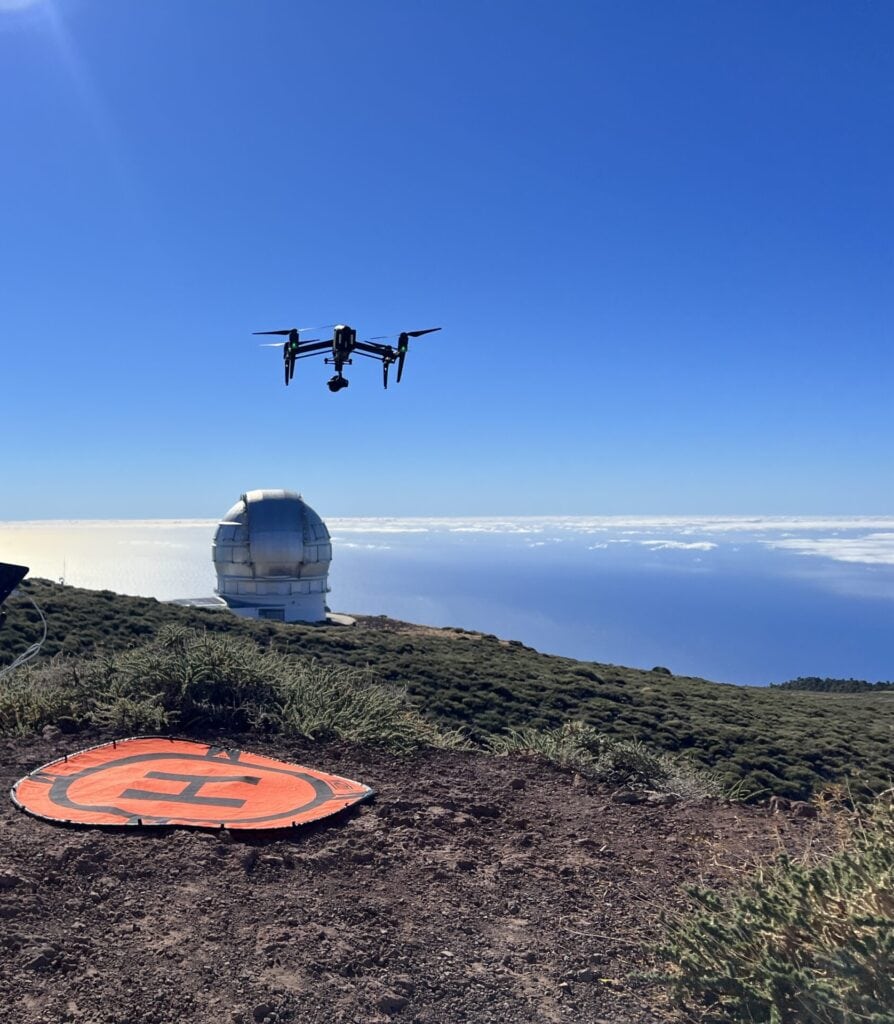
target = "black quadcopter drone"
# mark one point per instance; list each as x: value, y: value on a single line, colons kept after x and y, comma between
x: 343, y: 345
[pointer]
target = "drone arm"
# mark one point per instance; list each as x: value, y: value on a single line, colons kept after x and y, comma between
x: 377, y: 351
x: 309, y: 350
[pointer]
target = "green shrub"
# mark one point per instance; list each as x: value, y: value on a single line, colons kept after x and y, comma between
x: 187, y: 679
x: 326, y: 702
x: 190, y: 680
x: 616, y: 762
x: 799, y: 943
x: 34, y: 696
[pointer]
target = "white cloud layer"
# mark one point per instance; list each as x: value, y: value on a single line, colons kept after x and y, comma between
x: 366, y: 547
x: 686, y: 525
x: 679, y: 545
x: 867, y: 540
x: 870, y: 549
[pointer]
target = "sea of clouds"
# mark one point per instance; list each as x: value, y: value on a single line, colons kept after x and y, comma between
x: 745, y: 599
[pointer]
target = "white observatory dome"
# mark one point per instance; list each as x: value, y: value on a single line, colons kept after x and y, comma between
x: 272, y: 554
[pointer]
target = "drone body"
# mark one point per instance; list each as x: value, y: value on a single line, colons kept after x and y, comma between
x: 343, y: 346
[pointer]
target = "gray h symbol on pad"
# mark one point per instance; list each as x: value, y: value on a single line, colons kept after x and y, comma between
x: 190, y: 792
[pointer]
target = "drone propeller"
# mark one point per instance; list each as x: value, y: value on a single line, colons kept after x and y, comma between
x: 409, y: 334
x: 418, y: 334
x: 279, y: 344
x: 403, y: 345
x: 296, y: 330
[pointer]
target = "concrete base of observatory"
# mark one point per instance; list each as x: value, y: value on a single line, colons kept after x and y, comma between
x: 303, y: 608
x: 217, y: 604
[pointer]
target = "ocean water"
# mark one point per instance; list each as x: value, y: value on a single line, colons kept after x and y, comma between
x: 747, y: 600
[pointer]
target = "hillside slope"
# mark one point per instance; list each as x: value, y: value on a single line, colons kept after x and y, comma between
x: 773, y: 740
x: 472, y: 888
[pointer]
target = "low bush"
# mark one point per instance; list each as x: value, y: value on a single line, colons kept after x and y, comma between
x: 800, y: 943
x: 189, y: 680
x: 616, y: 762
x: 34, y: 696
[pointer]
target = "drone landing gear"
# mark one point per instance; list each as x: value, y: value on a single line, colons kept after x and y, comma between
x: 337, y: 383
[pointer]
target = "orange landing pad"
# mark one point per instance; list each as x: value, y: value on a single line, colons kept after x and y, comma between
x: 157, y: 781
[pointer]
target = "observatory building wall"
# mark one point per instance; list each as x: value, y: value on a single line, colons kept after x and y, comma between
x: 271, y: 552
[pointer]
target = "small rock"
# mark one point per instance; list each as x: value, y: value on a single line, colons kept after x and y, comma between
x: 391, y: 1002
x: 362, y: 857
x: 802, y: 809
x: 484, y: 810
x: 587, y: 975
x: 403, y: 983
x: 517, y: 784
x: 272, y: 860
x: 39, y: 958
x: 261, y: 1011
x: 662, y: 799
x: 9, y: 880
x: 51, y: 732
x: 700, y: 801
x: 627, y: 796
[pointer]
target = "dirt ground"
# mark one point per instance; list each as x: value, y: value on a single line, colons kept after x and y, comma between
x: 471, y: 889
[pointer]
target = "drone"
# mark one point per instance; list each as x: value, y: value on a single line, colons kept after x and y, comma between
x: 342, y: 347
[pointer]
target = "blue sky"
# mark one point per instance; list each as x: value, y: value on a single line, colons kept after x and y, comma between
x: 658, y: 236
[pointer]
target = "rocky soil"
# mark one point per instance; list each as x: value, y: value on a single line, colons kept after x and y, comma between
x: 471, y: 889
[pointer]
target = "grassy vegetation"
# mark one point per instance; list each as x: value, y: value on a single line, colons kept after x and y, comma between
x: 799, y: 943
x: 774, y: 740
x: 627, y: 763
x: 833, y: 685
x: 187, y: 680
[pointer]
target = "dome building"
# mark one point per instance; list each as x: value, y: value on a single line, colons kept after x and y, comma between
x: 272, y: 552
